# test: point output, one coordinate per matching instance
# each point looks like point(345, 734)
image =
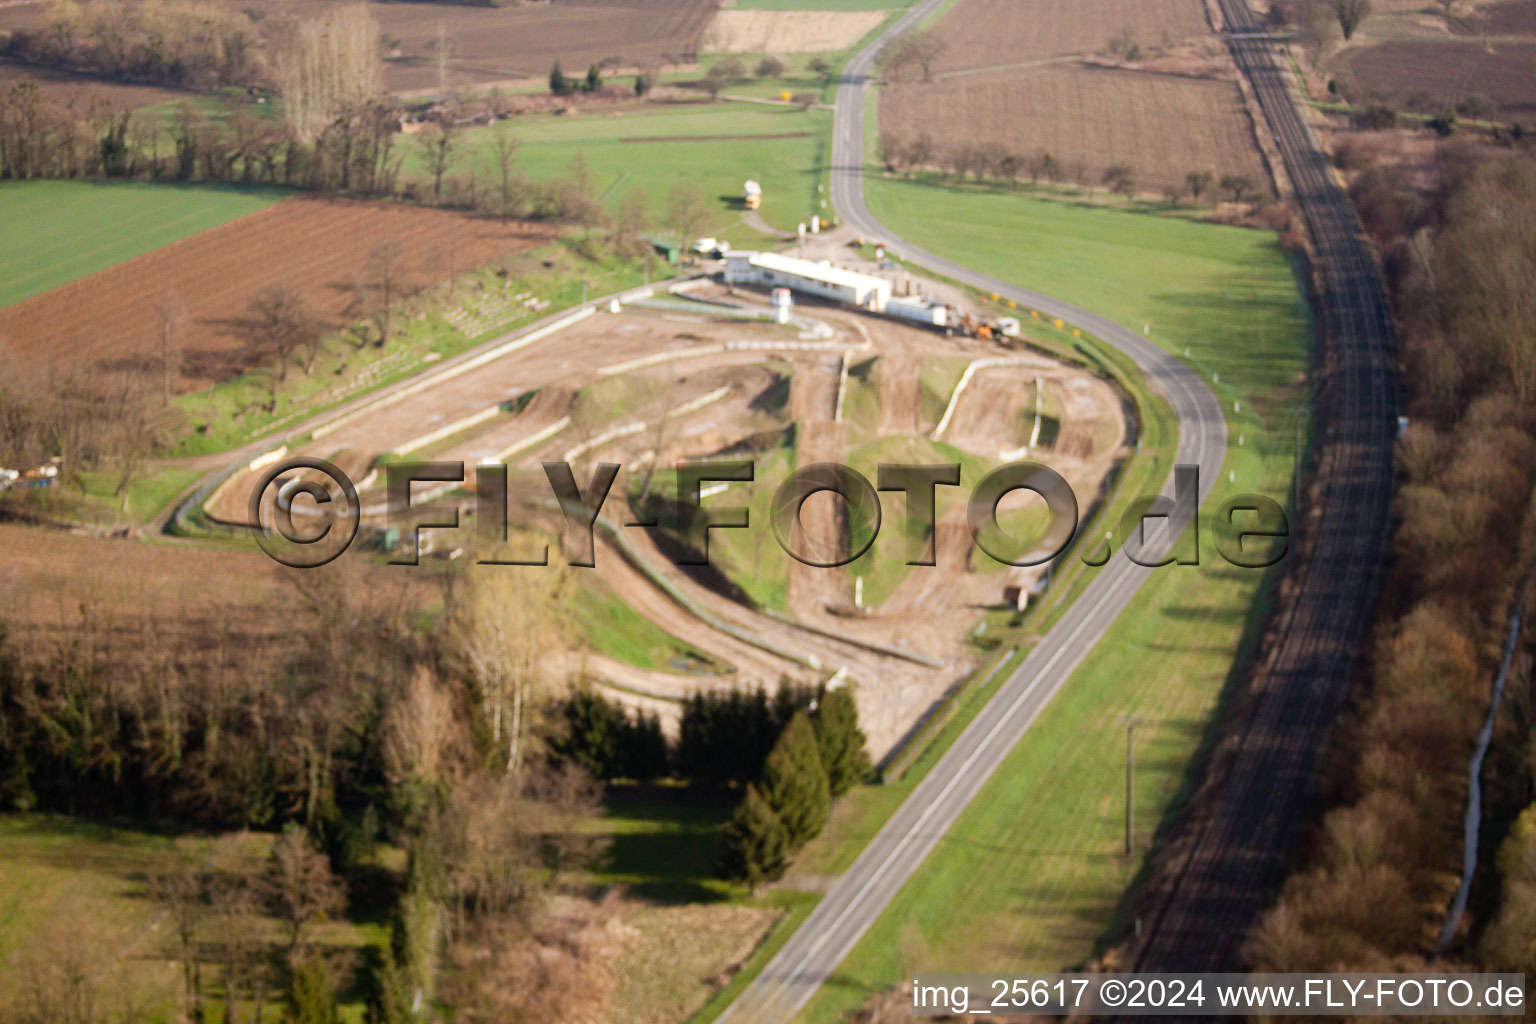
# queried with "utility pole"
point(1131, 722)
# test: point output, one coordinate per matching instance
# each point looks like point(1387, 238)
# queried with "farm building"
point(771, 270)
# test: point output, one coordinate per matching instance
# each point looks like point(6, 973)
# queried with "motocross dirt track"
point(902, 657)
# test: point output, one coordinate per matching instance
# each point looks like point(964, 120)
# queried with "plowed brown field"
point(520, 40)
point(67, 88)
point(487, 44)
point(1162, 126)
point(314, 246)
point(993, 33)
point(1504, 73)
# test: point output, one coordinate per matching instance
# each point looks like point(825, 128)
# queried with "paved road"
point(857, 899)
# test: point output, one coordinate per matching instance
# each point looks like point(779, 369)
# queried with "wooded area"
point(1462, 275)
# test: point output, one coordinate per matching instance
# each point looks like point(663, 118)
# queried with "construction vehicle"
point(752, 194)
point(974, 328)
point(1003, 330)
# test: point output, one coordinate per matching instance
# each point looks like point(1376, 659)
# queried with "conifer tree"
point(593, 728)
point(558, 83)
point(756, 847)
point(643, 749)
point(841, 741)
point(794, 782)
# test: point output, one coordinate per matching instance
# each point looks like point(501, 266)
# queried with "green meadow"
point(58, 231)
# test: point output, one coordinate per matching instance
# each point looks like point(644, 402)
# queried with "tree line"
point(818, 756)
point(193, 43)
point(792, 755)
point(983, 161)
point(1376, 887)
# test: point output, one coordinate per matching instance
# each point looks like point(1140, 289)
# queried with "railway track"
point(1235, 852)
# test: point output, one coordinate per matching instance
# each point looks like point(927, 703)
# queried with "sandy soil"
point(789, 31)
point(822, 525)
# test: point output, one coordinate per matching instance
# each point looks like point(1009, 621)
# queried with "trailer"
point(918, 309)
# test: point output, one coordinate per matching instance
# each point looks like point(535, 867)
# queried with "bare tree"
point(504, 146)
point(714, 81)
point(181, 891)
point(386, 275)
point(135, 425)
point(438, 144)
point(687, 211)
point(920, 151)
point(630, 220)
point(301, 885)
point(172, 313)
point(1197, 183)
point(769, 67)
point(920, 49)
point(507, 621)
point(1238, 186)
point(58, 971)
point(419, 733)
point(660, 393)
point(236, 920)
point(280, 320)
point(326, 65)
point(1121, 180)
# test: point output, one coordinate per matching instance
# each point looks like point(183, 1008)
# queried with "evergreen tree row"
point(606, 740)
point(724, 738)
point(818, 756)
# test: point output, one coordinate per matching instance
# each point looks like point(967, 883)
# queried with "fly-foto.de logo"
point(305, 512)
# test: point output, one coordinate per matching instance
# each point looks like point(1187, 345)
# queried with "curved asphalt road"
point(852, 905)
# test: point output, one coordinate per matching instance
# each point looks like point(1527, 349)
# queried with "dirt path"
point(901, 393)
point(821, 530)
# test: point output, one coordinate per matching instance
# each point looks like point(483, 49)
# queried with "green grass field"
point(100, 504)
point(58, 231)
point(76, 889)
point(1031, 876)
point(720, 146)
point(613, 628)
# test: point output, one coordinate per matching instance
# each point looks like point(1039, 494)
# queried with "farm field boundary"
point(61, 231)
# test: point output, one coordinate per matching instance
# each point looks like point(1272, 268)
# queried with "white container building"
point(771, 270)
point(918, 309)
